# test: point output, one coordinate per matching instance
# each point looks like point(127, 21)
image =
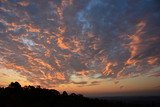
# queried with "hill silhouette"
point(29, 96)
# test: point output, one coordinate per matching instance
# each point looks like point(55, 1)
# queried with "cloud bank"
point(49, 41)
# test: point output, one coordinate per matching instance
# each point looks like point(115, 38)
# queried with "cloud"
point(157, 87)
point(121, 87)
point(23, 3)
point(116, 82)
point(134, 45)
point(94, 83)
point(50, 41)
point(81, 83)
point(155, 74)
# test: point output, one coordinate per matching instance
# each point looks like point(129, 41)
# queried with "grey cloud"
point(81, 83)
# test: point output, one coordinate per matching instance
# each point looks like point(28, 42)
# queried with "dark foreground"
point(29, 96)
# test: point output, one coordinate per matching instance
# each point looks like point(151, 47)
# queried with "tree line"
point(29, 96)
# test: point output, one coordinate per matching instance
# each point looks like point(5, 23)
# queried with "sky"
point(92, 47)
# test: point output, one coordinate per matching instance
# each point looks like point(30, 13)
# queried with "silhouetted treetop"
point(15, 85)
point(72, 94)
point(65, 93)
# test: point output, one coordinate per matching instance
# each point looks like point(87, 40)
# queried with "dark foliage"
point(29, 96)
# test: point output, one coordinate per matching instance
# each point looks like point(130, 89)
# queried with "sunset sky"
point(92, 47)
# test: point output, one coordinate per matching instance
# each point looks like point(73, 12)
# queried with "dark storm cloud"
point(49, 41)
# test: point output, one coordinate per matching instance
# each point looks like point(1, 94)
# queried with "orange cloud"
point(152, 60)
point(62, 28)
point(82, 73)
point(108, 68)
point(12, 26)
point(65, 3)
point(134, 46)
point(61, 44)
point(77, 44)
point(60, 76)
point(40, 62)
point(14, 66)
point(58, 62)
point(31, 28)
point(24, 3)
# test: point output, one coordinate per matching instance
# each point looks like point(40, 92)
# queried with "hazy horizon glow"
point(93, 47)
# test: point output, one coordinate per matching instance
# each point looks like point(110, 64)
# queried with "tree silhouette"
point(64, 93)
point(15, 85)
point(29, 96)
point(73, 94)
